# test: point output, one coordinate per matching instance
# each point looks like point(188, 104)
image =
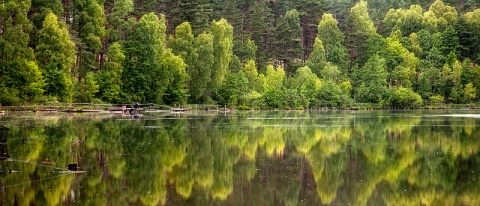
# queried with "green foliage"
point(259, 29)
point(222, 33)
point(469, 93)
point(20, 76)
point(288, 36)
point(176, 93)
point(274, 87)
point(56, 55)
point(90, 25)
point(407, 21)
point(123, 42)
point(373, 81)
point(234, 90)
point(361, 34)
point(86, 89)
point(332, 40)
point(405, 98)
point(200, 75)
point(330, 94)
point(109, 80)
point(251, 73)
point(144, 80)
point(317, 60)
point(436, 99)
point(119, 21)
point(183, 45)
point(306, 85)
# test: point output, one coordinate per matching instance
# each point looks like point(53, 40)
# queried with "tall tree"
point(310, 13)
point(109, 79)
point(183, 45)
point(197, 12)
point(40, 9)
point(359, 29)
point(89, 23)
point(317, 60)
point(176, 92)
point(55, 54)
point(260, 27)
point(200, 74)
point(373, 80)
point(119, 21)
point(20, 79)
point(450, 42)
point(289, 41)
point(468, 28)
point(222, 33)
point(144, 50)
point(333, 40)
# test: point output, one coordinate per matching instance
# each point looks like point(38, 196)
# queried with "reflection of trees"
point(273, 158)
point(30, 181)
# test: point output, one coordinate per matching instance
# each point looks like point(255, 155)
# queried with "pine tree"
point(119, 21)
point(89, 23)
point(360, 28)
point(289, 41)
point(260, 27)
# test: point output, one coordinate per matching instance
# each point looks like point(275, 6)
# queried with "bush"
point(405, 98)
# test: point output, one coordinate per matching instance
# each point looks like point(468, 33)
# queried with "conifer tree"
point(119, 21)
point(288, 41)
point(89, 23)
point(260, 28)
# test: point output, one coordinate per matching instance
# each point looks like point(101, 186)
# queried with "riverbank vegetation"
point(241, 53)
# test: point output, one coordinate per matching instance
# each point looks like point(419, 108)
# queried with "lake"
point(241, 158)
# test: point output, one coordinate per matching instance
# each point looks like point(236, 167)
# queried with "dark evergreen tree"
point(89, 24)
point(288, 42)
point(261, 30)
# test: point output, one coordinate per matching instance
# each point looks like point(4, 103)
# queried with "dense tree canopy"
point(178, 52)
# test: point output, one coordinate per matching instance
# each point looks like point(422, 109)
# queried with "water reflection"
point(261, 158)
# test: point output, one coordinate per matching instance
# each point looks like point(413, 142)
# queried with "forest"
point(261, 54)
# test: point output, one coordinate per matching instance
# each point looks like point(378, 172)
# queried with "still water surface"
point(242, 158)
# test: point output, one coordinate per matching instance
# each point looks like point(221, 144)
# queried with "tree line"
point(241, 53)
